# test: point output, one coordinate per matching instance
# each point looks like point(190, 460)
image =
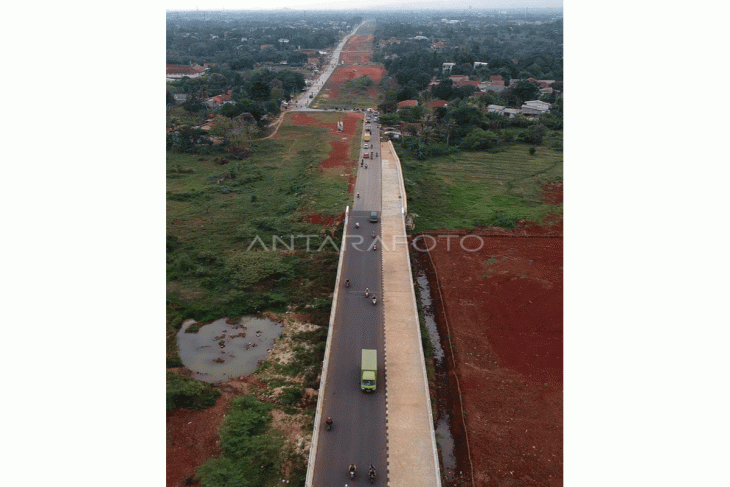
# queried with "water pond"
point(221, 350)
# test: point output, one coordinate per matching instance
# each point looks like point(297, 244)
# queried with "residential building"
point(436, 104)
point(535, 108)
point(177, 71)
point(219, 100)
point(407, 103)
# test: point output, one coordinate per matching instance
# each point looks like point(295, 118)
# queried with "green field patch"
point(219, 212)
point(480, 189)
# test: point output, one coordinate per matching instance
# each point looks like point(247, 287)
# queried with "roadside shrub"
point(173, 361)
point(245, 269)
point(478, 139)
point(440, 149)
point(247, 419)
point(183, 392)
point(503, 221)
point(291, 396)
point(534, 134)
point(183, 263)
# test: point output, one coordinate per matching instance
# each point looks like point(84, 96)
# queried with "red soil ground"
point(192, 436)
point(503, 308)
point(358, 49)
point(346, 73)
point(340, 148)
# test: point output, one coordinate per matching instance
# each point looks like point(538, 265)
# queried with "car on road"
point(366, 156)
point(373, 217)
point(365, 146)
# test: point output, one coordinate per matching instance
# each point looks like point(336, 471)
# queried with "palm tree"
point(450, 127)
point(428, 134)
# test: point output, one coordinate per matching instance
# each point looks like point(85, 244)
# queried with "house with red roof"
point(219, 100)
point(466, 82)
point(407, 103)
point(178, 71)
point(436, 104)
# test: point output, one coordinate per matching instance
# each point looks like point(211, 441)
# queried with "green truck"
point(369, 370)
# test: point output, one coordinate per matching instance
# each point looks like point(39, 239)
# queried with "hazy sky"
point(353, 5)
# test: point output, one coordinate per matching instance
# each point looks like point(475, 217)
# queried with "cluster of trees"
point(236, 37)
point(255, 95)
point(465, 126)
point(511, 49)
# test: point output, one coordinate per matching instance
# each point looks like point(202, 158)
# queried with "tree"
point(362, 82)
point(533, 134)
point(412, 114)
point(390, 103)
point(526, 90)
point(389, 118)
point(407, 93)
point(428, 134)
point(478, 139)
point(449, 128)
point(443, 90)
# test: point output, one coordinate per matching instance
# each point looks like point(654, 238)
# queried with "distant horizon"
point(340, 6)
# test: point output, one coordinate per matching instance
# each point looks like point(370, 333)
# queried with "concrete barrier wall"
point(396, 160)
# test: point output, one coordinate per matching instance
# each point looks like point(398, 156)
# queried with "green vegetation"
point(470, 189)
point(252, 456)
point(189, 393)
point(236, 238)
point(349, 96)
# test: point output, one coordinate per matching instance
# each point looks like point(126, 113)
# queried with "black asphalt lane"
point(358, 435)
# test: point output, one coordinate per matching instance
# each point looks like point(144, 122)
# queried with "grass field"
point(472, 189)
point(346, 99)
point(216, 212)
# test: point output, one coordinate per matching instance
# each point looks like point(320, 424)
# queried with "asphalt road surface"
point(358, 434)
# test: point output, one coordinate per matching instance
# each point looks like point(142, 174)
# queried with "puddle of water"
point(219, 351)
point(425, 292)
point(443, 431)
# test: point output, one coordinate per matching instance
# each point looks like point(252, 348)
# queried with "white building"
point(535, 108)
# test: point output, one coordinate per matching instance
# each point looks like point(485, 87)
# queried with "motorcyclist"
point(375, 246)
point(357, 224)
point(328, 422)
point(347, 283)
point(358, 195)
point(371, 471)
point(352, 469)
point(367, 292)
point(373, 234)
point(375, 300)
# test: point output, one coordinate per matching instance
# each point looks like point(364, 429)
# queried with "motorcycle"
point(347, 283)
point(375, 300)
point(352, 471)
point(373, 234)
point(367, 292)
point(358, 195)
point(371, 474)
point(375, 246)
point(328, 424)
point(357, 224)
